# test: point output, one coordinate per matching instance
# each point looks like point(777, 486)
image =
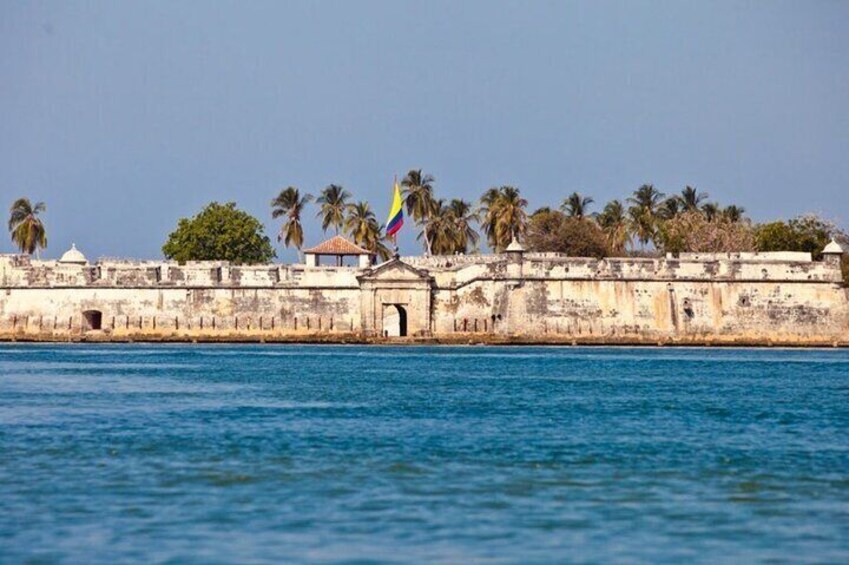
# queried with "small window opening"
point(93, 319)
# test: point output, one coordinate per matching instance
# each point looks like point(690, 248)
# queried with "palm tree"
point(359, 222)
point(576, 206)
point(380, 248)
point(290, 203)
point(439, 228)
point(733, 213)
point(333, 202)
point(463, 218)
point(643, 212)
point(418, 197)
point(507, 216)
point(26, 228)
point(614, 223)
point(487, 215)
point(710, 210)
point(691, 198)
point(670, 208)
point(362, 226)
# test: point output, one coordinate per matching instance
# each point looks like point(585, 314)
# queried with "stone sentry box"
point(395, 289)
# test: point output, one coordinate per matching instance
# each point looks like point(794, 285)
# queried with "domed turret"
point(515, 252)
point(832, 255)
point(833, 247)
point(515, 246)
point(73, 256)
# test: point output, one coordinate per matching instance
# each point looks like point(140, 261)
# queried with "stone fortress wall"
point(744, 298)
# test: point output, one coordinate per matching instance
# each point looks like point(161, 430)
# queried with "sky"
point(125, 116)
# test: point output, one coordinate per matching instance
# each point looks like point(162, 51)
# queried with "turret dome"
point(833, 247)
point(73, 256)
point(515, 246)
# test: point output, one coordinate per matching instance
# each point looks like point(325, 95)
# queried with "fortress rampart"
point(753, 299)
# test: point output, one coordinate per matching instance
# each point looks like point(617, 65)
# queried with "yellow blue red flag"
point(396, 213)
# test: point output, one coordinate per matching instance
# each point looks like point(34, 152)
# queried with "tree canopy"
point(692, 231)
point(220, 232)
point(805, 233)
point(554, 231)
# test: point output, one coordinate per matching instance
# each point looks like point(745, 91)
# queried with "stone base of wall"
point(447, 339)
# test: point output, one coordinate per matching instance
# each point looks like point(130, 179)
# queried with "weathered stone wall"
point(716, 299)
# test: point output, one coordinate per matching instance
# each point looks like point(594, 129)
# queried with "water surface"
point(320, 454)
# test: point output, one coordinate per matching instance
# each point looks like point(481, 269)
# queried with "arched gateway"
point(394, 320)
point(396, 300)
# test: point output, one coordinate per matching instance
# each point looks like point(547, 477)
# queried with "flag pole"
point(395, 235)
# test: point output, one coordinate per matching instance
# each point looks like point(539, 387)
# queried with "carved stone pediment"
point(395, 270)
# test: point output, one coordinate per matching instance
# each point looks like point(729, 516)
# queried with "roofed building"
point(339, 247)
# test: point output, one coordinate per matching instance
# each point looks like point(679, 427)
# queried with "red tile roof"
point(337, 245)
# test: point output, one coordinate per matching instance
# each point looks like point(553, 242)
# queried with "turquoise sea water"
point(319, 454)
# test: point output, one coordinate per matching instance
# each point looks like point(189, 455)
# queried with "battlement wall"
point(19, 271)
point(783, 298)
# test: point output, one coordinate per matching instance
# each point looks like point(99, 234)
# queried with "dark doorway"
point(394, 320)
point(402, 321)
point(93, 319)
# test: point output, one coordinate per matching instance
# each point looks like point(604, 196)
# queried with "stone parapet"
point(19, 271)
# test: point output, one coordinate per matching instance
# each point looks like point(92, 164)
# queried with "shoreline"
point(450, 340)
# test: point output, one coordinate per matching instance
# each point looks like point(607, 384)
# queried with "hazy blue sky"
point(124, 116)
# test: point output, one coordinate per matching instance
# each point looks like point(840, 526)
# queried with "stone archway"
point(397, 293)
point(394, 320)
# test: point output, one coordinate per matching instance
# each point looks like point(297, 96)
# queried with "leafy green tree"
point(576, 206)
point(220, 232)
point(333, 202)
point(559, 233)
point(807, 233)
point(776, 236)
point(26, 228)
point(418, 196)
point(291, 204)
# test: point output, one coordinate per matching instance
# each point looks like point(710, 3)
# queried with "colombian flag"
point(396, 213)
